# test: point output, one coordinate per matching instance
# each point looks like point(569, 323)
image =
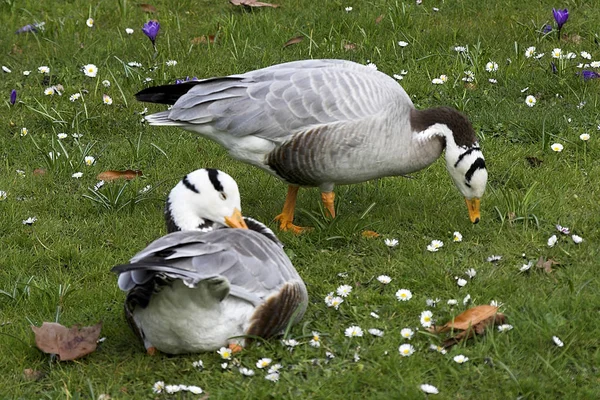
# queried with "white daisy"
point(429, 389)
point(316, 340)
point(194, 389)
point(585, 137)
point(492, 80)
point(491, 66)
point(586, 55)
point(329, 355)
point(426, 319)
point(437, 81)
point(89, 22)
point(129, 31)
point(530, 100)
point(374, 315)
point(471, 273)
point(26, 73)
point(443, 78)
point(402, 43)
point(274, 377)
point(452, 302)
point(344, 290)
point(437, 348)
point(263, 363)
point(398, 77)
point(172, 389)
point(557, 147)
point(75, 96)
point(461, 282)
point(20, 172)
point(457, 237)
point(494, 258)
point(49, 91)
point(466, 299)
point(375, 332)
point(353, 331)
point(403, 295)
point(552, 240)
point(274, 369)
point(595, 64)
point(407, 333)
point(158, 387)
point(384, 279)
point(6, 69)
point(44, 70)
point(29, 221)
point(61, 135)
point(556, 53)
point(526, 267)
point(224, 365)
point(406, 350)
point(290, 343)
point(225, 353)
point(24, 131)
point(460, 359)
point(435, 245)
point(504, 327)
point(348, 9)
point(557, 341)
point(77, 175)
point(171, 63)
point(89, 160)
point(469, 76)
point(577, 239)
point(106, 83)
point(3, 195)
point(106, 99)
point(90, 70)
point(391, 242)
point(495, 303)
point(432, 302)
point(460, 49)
point(134, 64)
point(538, 56)
point(198, 364)
point(246, 371)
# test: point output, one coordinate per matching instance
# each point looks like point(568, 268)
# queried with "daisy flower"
point(171, 63)
point(49, 91)
point(246, 371)
point(44, 70)
point(577, 239)
point(129, 31)
point(29, 221)
point(225, 353)
point(557, 341)
point(194, 389)
point(466, 299)
point(332, 301)
point(443, 78)
point(172, 389)
point(316, 340)
point(106, 83)
point(375, 332)
point(61, 136)
point(75, 97)
point(274, 377)
point(353, 331)
point(530, 52)
point(526, 267)
point(329, 355)
point(457, 237)
point(89, 160)
point(76, 135)
point(374, 315)
point(426, 319)
point(77, 175)
point(538, 56)
point(504, 327)
point(263, 363)
point(26, 73)
point(134, 64)
point(6, 69)
point(595, 64)
point(494, 258)
point(491, 66)
point(398, 77)
point(460, 359)
point(471, 273)
point(224, 365)
point(158, 387)
point(348, 9)
point(432, 302)
point(552, 241)
point(290, 343)
point(469, 76)
point(439, 349)
point(530, 100)
point(556, 53)
point(461, 282)
point(435, 245)
point(407, 333)
point(495, 303)
point(198, 364)
point(557, 147)
point(452, 302)
point(106, 99)
point(429, 389)
point(460, 49)
point(402, 43)
point(384, 279)
point(274, 369)
point(406, 350)
point(372, 65)
point(344, 290)
point(585, 137)
point(90, 22)
point(492, 80)
point(437, 81)
point(98, 185)
point(24, 132)
point(3, 195)
point(90, 70)
point(391, 242)
point(403, 295)
point(586, 55)
point(20, 172)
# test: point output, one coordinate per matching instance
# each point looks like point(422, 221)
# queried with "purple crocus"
point(547, 29)
point(151, 29)
point(31, 28)
point(13, 97)
point(184, 80)
point(587, 75)
point(560, 16)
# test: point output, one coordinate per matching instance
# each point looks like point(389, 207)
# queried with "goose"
point(203, 286)
point(324, 122)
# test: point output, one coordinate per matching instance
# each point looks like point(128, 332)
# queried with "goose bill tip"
point(236, 220)
point(473, 207)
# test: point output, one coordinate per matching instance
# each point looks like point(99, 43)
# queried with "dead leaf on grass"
point(112, 175)
point(379, 19)
point(33, 375)
point(68, 343)
point(252, 3)
point(203, 39)
point(468, 318)
point(148, 8)
point(546, 265)
point(349, 46)
point(370, 234)
point(477, 329)
point(39, 171)
point(294, 40)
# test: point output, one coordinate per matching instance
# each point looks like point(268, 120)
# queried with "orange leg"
point(151, 351)
point(286, 218)
point(235, 348)
point(327, 198)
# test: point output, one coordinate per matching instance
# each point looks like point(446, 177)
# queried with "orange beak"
point(473, 206)
point(236, 220)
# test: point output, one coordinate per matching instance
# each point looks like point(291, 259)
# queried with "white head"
point(204, 200)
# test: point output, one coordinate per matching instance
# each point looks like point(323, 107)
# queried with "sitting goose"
point(322, 123)
point(199, 287)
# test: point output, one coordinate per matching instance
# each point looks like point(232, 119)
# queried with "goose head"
point(464, 160)
point(204, 200)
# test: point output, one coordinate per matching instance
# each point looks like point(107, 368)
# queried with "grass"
point(59, 268)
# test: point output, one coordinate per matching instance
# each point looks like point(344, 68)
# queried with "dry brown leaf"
point(572, 38)
point(379, 19)
point(252, 3)
point(68, 343)
point(477, 329)
point(468, 318)
point(112, 175)
point(546, 265)
point(148, 8)
point(294, 40)
point(39, 171)
point(349, 46)
point(203, 39)
point(369, 234)
point(33, 375)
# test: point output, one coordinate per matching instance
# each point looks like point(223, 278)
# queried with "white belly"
point(188, 320)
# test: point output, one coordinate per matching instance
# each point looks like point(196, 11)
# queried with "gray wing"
point(254, 265)
point(276, 101)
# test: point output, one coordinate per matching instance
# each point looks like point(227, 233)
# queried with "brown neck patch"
point(461, 127)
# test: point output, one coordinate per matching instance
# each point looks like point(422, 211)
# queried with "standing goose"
point(322, 123)
point(200, 286)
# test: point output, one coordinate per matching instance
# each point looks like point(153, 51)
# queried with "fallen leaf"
point(468, 318)
point(33, 375)
point(572, 38)
point(534, 161)
point(148, 8)
point(113, 175)
point(470, 86)
point(293, 40)
point(68, 343)
point(203, 39)
point(16, 50)
point(39, 171)
point(379, 19)
point(252, 3)
point(477, 329)
point(546, 265)
point(349, 46)
point(369, 234)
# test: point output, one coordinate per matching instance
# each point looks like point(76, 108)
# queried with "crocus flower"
point(587, 75)
point(13, 97)
point(151, 29)
point(31, 28)
point(547, 29)
point(560, 16)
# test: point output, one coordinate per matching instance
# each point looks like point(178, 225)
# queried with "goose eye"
point(223, 196)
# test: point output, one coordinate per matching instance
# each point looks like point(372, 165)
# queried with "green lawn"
point(58, 269)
